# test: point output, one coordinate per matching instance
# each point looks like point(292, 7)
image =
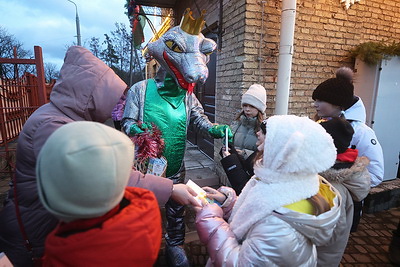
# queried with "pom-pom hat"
point(336, 91)
point(83, 169)
point(345, 73)
point(255, 96)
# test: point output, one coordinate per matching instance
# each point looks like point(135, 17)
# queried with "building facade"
point(248, 37)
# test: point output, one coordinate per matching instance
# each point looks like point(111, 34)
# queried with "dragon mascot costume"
point(168, 102)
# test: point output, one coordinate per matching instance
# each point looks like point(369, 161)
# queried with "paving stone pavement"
point(367, 247)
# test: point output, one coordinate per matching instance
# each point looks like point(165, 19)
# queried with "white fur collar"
point(260, 198)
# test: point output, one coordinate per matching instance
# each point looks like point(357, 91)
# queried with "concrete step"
point(203, 177)
point(383, 197)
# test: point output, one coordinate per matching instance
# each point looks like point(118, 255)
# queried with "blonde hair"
point(260, 118)
point(319, 204)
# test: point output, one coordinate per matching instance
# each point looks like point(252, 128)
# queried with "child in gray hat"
point(82, 171)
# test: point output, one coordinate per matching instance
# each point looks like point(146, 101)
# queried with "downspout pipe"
point(285, 56)
point(220, 17)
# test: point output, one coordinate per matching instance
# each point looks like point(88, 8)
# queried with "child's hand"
point(214, 194)
point(184, 195)
point(224, 153)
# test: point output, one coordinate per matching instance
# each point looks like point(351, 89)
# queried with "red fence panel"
point(19, 98)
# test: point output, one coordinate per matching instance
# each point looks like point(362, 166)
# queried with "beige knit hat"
point(83, 169)
point(256, 96)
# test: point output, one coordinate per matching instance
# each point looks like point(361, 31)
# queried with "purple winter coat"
point(87, 90)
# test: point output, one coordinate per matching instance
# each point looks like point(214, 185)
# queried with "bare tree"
point(122, 44)
point(7, 44)
point(94, 46)
point(51, 72)
point(109, 54)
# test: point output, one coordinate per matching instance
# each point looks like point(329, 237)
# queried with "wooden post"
point(40, 75)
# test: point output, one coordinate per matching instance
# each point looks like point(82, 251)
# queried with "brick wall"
point(325, 32)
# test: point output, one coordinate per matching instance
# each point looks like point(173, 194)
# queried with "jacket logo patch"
point(373, 141)
point(231, 167)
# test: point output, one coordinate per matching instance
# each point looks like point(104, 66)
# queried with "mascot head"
point(184, 52)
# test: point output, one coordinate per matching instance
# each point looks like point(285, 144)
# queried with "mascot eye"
point(173, 46)
point(208, 46)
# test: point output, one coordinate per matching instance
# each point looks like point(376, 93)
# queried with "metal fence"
point(19, 98)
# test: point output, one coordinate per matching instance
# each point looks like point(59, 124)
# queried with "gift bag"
point(149, 146)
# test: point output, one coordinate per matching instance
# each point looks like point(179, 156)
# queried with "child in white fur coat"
point(284, 211)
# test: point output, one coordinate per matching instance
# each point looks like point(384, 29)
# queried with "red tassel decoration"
point(149, 144)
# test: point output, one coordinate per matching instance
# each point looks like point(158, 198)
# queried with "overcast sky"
point(51, 23)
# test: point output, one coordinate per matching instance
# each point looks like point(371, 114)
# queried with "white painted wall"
point(379, 88)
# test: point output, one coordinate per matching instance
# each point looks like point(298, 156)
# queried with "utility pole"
point(78, 29)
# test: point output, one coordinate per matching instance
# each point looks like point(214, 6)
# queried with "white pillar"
point(285, 56)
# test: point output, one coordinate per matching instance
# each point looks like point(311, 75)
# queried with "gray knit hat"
point(256, 96)
point(83, 169)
